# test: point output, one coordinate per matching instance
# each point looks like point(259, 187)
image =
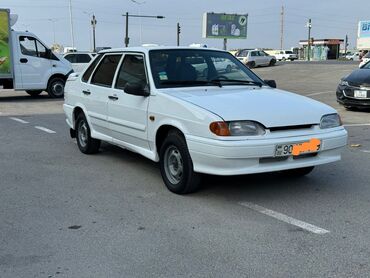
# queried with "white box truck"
point(27, 64)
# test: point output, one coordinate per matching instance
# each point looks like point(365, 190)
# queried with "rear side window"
point(70, 58)
point(83, 58)
point(104, 74)
point(91, 68)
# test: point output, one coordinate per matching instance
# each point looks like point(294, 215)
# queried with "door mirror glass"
point(136, 89)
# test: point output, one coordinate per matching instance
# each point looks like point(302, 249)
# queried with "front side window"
point(132, 71)
point(28, 46)
point(41, 50)
point(189, 68)
point(83, 58)
point(104, 74)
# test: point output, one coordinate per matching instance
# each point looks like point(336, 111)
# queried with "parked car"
point(354, 90)
point(353, 56)
point(365, 59)
point(255, 58)
point(154, 102)
point(284, 55)
point(79, 60)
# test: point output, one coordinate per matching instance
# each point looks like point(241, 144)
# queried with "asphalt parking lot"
point(65, 214)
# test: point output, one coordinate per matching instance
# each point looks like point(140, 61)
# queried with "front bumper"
point(345, 96)
point(226, 158)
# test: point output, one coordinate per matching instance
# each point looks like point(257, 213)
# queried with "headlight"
point(344, 83)
point(330, 121)
point(237, 128)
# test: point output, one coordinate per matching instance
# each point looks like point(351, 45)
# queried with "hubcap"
point(58, 88)
point(82, 133)
point(173, 165)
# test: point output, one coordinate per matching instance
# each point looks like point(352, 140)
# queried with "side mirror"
point(136, 89)
point(271, 83)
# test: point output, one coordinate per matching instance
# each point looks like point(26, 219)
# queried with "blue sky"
point(330, 19)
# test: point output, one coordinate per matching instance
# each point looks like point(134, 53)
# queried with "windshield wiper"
point(192, 82)
point(260, 84)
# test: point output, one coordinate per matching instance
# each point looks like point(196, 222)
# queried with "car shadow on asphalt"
point(29, 99)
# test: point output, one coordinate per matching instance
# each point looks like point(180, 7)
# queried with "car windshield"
point(196, 67)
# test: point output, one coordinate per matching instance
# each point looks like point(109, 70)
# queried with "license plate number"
point(360, 94)
point(295, 149)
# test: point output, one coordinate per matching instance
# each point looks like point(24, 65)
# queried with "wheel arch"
point(162, 132)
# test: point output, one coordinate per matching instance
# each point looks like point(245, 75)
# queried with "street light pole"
point(309, 25)
point(127, 39)
point(71, 22)
point(93, 24)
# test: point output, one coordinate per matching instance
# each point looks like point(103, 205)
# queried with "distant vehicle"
point(153, 102)
point(26, 63)
point(255, 58)
point(220, 64)
point(199, 45)
point(365, 59)
point(283, 55)
point(353, 56)
point(69, 49)
point(79, 60)
point(354, 90)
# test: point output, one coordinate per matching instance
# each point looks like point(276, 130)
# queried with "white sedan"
point(154, 102)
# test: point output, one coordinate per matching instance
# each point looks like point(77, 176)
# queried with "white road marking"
point(319, 93)
point(365, 151)
point(19, 120)
point(284, 218)
point(353, 125)
point(45, 129)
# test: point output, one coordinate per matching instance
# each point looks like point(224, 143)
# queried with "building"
point(322, 49)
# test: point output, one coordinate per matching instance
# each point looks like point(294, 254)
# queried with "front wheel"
point(56, 87)
point(85, 142)
point(176, 165)
point(299, 172)
point(34, 93)
point(272, 62)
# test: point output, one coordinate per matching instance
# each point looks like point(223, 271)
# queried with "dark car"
point(354, 90)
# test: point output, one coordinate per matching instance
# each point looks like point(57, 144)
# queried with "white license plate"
point(360, 94)
point(296, 149)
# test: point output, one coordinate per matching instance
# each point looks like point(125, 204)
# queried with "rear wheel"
point(56, 87)
point(85, 142)
point(299, 172)
point(272, 62)
point(176, 165)
point(34, 93)
point(251, 65)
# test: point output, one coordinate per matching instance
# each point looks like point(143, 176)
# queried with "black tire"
point(299, 172)
point(56, 87)
point(251, 65)
point(283, 59)
point(272, 62)
point(176, 165)
point(85, 142)
point(34, 93)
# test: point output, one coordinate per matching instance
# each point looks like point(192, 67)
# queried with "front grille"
point(291, 127)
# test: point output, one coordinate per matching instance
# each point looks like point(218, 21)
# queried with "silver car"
point(255, 58)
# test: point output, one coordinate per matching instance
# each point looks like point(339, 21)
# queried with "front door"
point(127, 114)
point(33, 62)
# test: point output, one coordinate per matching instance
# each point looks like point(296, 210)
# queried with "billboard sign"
point(5, 61)
point(225, 26)
point(364, 29)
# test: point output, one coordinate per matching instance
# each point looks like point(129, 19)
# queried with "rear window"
point(91, 68)
point(104, 74)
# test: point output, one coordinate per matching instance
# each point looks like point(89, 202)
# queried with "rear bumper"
point(68, 111)
point(257, 156)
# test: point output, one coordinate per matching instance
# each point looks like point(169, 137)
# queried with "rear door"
point(98, 91)
point(34, 65)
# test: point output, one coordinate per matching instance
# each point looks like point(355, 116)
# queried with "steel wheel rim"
point(82, 133)
point(173, 165)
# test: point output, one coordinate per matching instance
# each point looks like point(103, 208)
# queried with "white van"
point(28, 64)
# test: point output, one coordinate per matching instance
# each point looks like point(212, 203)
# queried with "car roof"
point(146, 49)
point(79, 52)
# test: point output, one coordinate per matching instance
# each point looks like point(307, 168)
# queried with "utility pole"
point(178, 34)
point(346, 45)
point(71, 22)
point(93, 24)
point(127, 39)
point(309, 26)
point(225, 43)
point(282, 28)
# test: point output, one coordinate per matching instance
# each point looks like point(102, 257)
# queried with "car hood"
point(270, 107)
point(359, 76)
